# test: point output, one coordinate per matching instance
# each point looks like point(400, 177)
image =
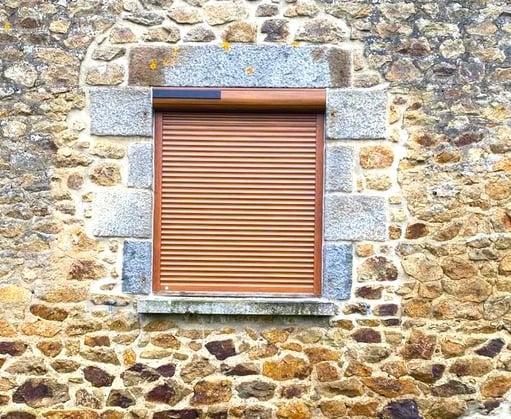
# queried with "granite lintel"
point(237, 306)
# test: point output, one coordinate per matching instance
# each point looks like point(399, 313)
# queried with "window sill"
point(237, 306)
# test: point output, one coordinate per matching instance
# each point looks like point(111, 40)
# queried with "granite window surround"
point(351, 114)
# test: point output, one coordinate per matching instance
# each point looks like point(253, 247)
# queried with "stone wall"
point(425, 330)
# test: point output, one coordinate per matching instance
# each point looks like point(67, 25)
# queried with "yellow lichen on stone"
point(226, 46)
point(250, 70)
point(153, 65)
point(7, 27)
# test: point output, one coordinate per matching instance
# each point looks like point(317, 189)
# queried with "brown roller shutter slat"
point(238, 203)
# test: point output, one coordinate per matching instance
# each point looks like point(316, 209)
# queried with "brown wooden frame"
point(245, 100)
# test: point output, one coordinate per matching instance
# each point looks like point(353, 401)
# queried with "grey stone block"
point(122, 213)
point(357, 113)
point(140, 173)
point(241, 66)
point(124, 111)
point(339, 168)
point(237, 306)
point(348, 217)
point(136, 267)
point(337, 271)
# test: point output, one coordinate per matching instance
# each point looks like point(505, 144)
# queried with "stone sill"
point(253, 306)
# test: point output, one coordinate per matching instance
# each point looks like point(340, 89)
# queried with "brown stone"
point(496, 386)
point(322, 30)
point(426, 372)
point(170, 34)
point(221, 349)
point(385, 310)
point(366, 335)
point(451, 388)
point(98, 377)
point(326, 372)
point(65, 366)
point(120, 398)
point(422, 267)
point(302, 8)
point(391, 387)
point(258, 389)
point(12, 348)
point(395, 368)
point(40, 328)
point(63, 293)
point(377, 268)
point(287, 368)
point(451, 308)
point(296, 409)
point(369, 292)
point(18, 415)
point(97, 341)
point(166, 340)
point(72, 414)
point(86, 399)
point(105, 75)
point(458, 268)
point(276, 30)
point(224, 11)
point(50, 348)
point(403, 70)
point(41, 392)
point(211, 392)
point(401, 409)
point(100, 354)
point(106, 174)
point(474, 367)
point(471, 289)
point(262, 351)
point(49, 313)
point(451, 348)
point(349, 387)
point(140, 373)
point(242, 32)
point(199, 367)
point(333, 408)
point(359, 369)
point(27, 365)
point(319, 354)
point(376, 157)
point(367, 409)
point(177, 414)
point(108, 150)
point(419, 345)
point(240, 369)
point(168, 393)
point(505, 265)
point(447, 409)
point(108, 53)
point(184, 14)
point(416, 231)
point(417, 307)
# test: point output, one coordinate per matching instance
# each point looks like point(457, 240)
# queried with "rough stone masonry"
point(422, 329)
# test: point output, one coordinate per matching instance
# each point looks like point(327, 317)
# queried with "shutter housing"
point(238, 202)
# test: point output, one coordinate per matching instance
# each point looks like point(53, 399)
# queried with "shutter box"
point(238, 191)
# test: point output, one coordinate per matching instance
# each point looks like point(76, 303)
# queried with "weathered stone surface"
point(458, 268)
point(475, 367)
point(496, 385)
point(296, 409)
point(276, 30)
point(260, 390)
point(426, 372)
point(168, 393)
point(106, 174)
point(240, 369)
point(140, 173)
point(242, 32)
point(422, 267)
point(120, 398)
point(122, 35)
point(337, 268)
point(367, 335)
point(452, 308)
point(177, 414)
point(182, 14)
point(98, 377)
point(333, 408)
point(83, 269)
point(49, 348)
point(317, 354)
point(41, 392)
point(124, 213)
point(326, 372)
point(145, 18)
point(108, 53)
point(391, 387)
point(224, 11)
point(267, 10)
point(199, 33)
point(356, 113)
point(492, 348)
point(469, 289)
point(369, 292)
point(169, 34)
point(211, 392)
point(166, 340)
point(65, 366)
point(370, 213)
point(322, 30)
point(302, 8)
point(221, 349)
point(105, 75)
point(339, 168)
point(211, 65)
point(377, 268)
point(195, 369)
point(100, 354)
point(139, 374)
point(136, 269)
point(350, 387)
point(287, 368)
point(376, 157)
point(451, 388)
point(419, 345)
point(401, 409)
point(121, 111)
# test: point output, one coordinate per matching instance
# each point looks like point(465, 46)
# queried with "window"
point(238, 191)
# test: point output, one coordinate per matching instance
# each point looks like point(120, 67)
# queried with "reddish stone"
point(377, 268)
point(97, 341)
point(120, 398)
point(401, 409)
point(49, 313)
point(416, 231)
point(287, 368)
point(385, 310)
point(221, 349)
point(367, 336)
point(368, 292)
point(492, 348)
point(211, 392)
point(391, 387)
point(12, 348)
point(239, 370)
point(177, 414)
point(167, 370)
point(97, 377)
point(451, 388)
point(419, 345)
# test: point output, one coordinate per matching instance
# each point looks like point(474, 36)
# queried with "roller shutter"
point(238, 203)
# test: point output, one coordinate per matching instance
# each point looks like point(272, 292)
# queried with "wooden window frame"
point(267, 100)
